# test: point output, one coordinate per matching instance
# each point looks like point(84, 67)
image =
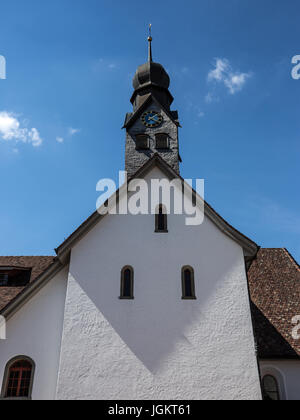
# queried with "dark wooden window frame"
point(127, 267)
point(139, 137)
point(166, 137)
point(184, 296)
point(7, 371)
point(161, 212)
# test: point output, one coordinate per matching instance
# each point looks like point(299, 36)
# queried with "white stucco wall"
point(35, 331)
point(287, 373)
point(157, 346)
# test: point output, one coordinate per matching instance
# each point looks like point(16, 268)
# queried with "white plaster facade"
point(35, 331)
point(86, 343)
point(157, 346)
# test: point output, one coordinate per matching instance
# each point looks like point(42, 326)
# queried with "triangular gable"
point(63, 251)
point(250, 248)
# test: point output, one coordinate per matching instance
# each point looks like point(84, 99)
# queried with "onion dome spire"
point(151, 78)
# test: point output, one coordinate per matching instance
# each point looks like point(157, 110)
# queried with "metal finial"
point(150, 45)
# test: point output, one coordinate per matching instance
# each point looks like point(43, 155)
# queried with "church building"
point(145, 306)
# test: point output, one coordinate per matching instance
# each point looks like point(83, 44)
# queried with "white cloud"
point(34, 135)
point(11, 130)
point(101, 64)
point(221, 68)
point(234, 81)
point(73, 131)
point(70, 132)
point(211, 97)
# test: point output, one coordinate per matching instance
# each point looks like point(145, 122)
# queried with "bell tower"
point(151, 127)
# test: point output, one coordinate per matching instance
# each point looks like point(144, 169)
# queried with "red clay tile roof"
point(37, 265)
point(274, 281)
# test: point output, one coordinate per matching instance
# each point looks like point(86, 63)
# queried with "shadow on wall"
point(158, 321)
point(270, 343)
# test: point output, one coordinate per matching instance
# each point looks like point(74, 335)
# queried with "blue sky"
point(70, 65)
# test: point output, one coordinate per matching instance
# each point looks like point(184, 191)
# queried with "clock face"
point(151, 119)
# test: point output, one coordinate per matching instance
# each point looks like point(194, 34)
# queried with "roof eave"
point(14, 305)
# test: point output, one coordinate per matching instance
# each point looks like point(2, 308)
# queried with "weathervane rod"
point(150, 45)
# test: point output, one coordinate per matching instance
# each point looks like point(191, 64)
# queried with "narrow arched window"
point(18, 378)
point(270, 388)
point(142, 141)
point(127, 283)
point(161, 221)
point(188, 283)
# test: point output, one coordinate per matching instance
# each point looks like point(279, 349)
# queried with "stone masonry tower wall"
point(151, 93)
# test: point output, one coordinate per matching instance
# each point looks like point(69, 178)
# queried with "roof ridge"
point(271, 248)
point(27, 256)
point(292, 258)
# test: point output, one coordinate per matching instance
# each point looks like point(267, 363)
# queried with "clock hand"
point(153, 118)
